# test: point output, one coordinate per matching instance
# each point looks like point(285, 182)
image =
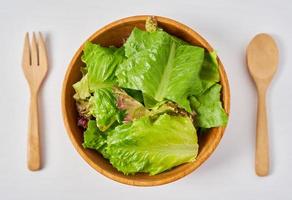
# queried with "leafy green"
point(94, 94)
point(141, 40)
point(82, 89)
point(104, 108)
point(160, 66)
point(101, 64)
point(152, 146)
point(94, 138)
point(207, 75)
point(208, 108)
point(209, 71)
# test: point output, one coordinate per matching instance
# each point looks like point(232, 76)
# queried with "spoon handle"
point(262, 140)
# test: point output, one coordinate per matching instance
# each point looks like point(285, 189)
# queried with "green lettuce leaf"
point(103, 105)
point(100, 69)
point(95, 139)
point(208, 108)
point(140, 40)
point(82, 89)
point(94, 89)
point(152, 146)
point(210, 71)
point(207, 76)
point(160, 66)
point(101, 64)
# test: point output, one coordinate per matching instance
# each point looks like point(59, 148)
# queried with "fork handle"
point(33, 146)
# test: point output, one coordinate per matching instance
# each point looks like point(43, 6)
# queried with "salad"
point(142, 105)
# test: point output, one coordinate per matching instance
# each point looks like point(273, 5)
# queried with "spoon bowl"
point(262, 57)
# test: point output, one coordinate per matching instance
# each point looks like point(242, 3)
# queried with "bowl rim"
point(225, 96)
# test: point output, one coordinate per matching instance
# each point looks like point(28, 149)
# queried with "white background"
point(227, 174)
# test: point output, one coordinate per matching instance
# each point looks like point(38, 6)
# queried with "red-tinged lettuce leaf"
point(133, 108)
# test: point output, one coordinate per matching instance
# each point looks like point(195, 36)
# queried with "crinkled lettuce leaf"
point(208, 108)
point(101, 63)
point(94, 96)
point(103, 105)
point(160, 66)
point(140, 40)
point(207, 75)
point(210, 70)
point(82, 89)
point(152, 146)
point(95, 139)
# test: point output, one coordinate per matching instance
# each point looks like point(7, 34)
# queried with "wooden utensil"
point(262, 62)
point(35, 67)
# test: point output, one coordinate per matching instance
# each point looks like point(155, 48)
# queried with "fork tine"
point(26, 52)
point(34, 51)
point(43, 60)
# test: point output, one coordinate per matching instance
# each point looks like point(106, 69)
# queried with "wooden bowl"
point(115, 34)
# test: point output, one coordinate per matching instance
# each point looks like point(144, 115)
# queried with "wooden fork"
point(35, 67)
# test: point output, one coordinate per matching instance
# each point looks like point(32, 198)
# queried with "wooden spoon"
point(262, 62)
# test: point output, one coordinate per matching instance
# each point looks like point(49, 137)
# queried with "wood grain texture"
point(115, 34)
point(262, 160)
point(262, 62)
point(33, 146)
point(35, 66)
